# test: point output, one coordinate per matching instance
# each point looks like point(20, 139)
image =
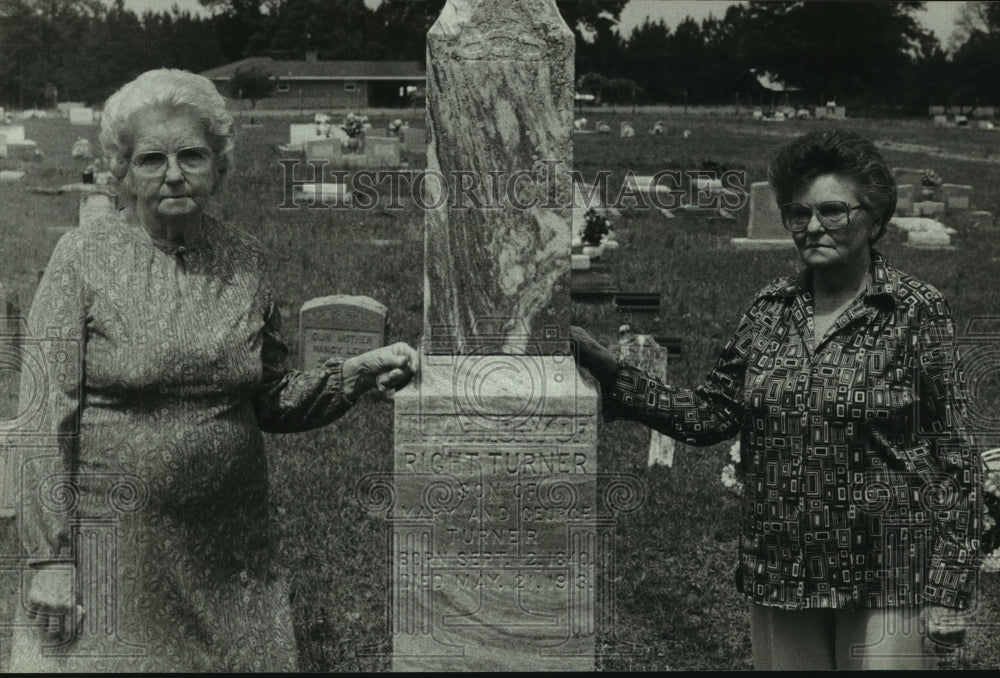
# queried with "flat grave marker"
point(764, 224)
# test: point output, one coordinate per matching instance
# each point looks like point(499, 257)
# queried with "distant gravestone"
point(81, 116)
point(10, 176)
point(94, 205)
point(831, 113)
point(646, 185)
point(908, 175)
point(415, 140)
point(925, 233)
point(383, 151)
point(764, 225)
point(11, 133)
point(905, 195)
point(957, 197)
point(322, 149)
point(940, 120)
point(299, 134)
point(330, 193)
point(929, 208)
point(22, 150)
point(339, 326)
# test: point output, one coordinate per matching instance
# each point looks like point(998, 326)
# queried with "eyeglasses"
point(191, 160)
point(833, 215)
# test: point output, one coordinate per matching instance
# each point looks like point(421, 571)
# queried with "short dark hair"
point(841, 152)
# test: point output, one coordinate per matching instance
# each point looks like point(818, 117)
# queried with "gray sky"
point(938, 16)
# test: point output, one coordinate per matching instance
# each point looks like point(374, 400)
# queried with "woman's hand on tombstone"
point(388, 369)
point(592, 356)
point(50, 601)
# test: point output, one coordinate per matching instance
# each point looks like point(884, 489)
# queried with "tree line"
point(863, 54)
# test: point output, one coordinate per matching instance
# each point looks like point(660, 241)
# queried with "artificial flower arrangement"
point(354, 125)
point(930, 179)
point(595, 228)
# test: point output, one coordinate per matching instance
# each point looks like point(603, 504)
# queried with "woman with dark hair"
point(863, 491)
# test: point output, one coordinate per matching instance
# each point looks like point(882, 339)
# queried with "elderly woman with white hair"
point(182, 367)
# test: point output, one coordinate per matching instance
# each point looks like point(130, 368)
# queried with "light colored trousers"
point(803, 640)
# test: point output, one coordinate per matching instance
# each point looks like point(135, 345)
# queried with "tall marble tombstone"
point(494, 507)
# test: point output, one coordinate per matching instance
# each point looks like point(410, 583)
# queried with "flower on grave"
point(395, 127)
point(930, 179)
point(595, 227)
point(734, 452)
point(354, 125)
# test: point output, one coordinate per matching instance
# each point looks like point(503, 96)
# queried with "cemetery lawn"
point(676, 605)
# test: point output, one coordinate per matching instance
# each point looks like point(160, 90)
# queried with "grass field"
point(677, 607)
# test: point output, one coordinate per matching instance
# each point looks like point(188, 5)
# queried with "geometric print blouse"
point(862, 485)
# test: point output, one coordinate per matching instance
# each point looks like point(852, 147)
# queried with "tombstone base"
point(494, 516)
point(762, 243)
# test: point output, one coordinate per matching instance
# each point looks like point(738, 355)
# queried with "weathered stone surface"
point(500, 99)
point(494, 517)
point(493, 501)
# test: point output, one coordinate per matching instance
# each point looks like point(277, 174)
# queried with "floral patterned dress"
point(146, 467)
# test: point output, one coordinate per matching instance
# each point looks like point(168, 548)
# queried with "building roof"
point(324, 70)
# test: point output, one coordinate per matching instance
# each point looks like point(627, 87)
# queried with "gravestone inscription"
point(339, 326)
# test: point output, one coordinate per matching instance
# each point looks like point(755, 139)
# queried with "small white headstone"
point(11, 133)
point(7, 176)
point(339, 326)
point(330, 193)
point(940, 120)
point(299, 134)
point(81, 116)
point(581, 262)
point(94, 206)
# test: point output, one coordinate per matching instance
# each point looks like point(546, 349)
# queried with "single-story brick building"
point(317, 84)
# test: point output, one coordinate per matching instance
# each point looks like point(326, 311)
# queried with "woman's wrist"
point(355, 382)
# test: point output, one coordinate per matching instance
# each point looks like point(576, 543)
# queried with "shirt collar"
point(883, 282)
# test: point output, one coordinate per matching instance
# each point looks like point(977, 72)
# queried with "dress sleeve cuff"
point(334, 368)
point(613, 393)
